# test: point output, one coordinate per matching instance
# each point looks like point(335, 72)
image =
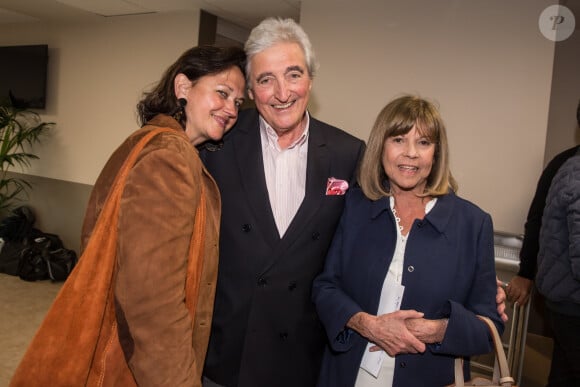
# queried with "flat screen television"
point(23, 73)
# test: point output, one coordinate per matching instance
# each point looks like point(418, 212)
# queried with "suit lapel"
point(248, 148)
point(317, 169)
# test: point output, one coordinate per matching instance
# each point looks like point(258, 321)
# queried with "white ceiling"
point(245, 13)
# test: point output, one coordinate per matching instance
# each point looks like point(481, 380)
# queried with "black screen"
point(23, 72)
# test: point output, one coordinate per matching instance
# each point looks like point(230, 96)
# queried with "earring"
point(178, 115)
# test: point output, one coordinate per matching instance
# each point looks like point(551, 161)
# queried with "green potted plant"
point(20, 128)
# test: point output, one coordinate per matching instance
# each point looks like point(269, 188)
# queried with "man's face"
point(280, 86)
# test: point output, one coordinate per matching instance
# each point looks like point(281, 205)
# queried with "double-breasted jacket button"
point(283, 335)
point(315, 236)
point(262, 282)
point(402, 364)
point(246, 227)
point(411, 268)
point(292, 285)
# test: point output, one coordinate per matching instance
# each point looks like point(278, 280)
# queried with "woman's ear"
point(181, 85)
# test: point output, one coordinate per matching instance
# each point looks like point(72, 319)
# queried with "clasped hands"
point(406, 331)
point(403, 331)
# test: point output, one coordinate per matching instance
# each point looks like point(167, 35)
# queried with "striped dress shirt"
point(285, 171)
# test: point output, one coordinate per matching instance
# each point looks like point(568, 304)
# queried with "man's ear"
point(250, 94)
point(181, 85)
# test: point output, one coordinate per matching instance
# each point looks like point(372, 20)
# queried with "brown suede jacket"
point(161, 344)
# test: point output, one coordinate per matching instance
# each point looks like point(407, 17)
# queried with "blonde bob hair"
point(398, 118)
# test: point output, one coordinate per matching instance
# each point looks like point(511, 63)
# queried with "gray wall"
point(59, 206)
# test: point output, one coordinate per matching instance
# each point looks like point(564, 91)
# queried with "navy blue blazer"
point(449, 271)
point(265, 331)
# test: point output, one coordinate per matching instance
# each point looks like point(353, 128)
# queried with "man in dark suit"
point(281, 174)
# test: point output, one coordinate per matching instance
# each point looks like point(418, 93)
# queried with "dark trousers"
point(565, 370)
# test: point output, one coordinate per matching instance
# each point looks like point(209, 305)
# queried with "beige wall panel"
point(97, 72)
point(485, 62)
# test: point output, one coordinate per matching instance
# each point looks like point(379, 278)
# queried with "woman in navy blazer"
point(405, 233)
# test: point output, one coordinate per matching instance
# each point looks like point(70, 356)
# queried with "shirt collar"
point(270, 135)
point(439, 215)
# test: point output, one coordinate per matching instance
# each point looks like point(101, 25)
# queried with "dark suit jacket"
point(265, 331)
point(448, 272)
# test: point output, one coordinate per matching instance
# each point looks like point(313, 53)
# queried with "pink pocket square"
point(336, 186)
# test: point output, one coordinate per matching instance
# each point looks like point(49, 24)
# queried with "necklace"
point(397, 219)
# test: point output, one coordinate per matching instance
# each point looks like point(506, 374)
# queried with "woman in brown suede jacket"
point(199, 95)
point(158, 311)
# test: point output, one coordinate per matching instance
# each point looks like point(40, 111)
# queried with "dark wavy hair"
point(193, 63)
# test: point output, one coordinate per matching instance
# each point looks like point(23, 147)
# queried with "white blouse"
point(394, 276)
